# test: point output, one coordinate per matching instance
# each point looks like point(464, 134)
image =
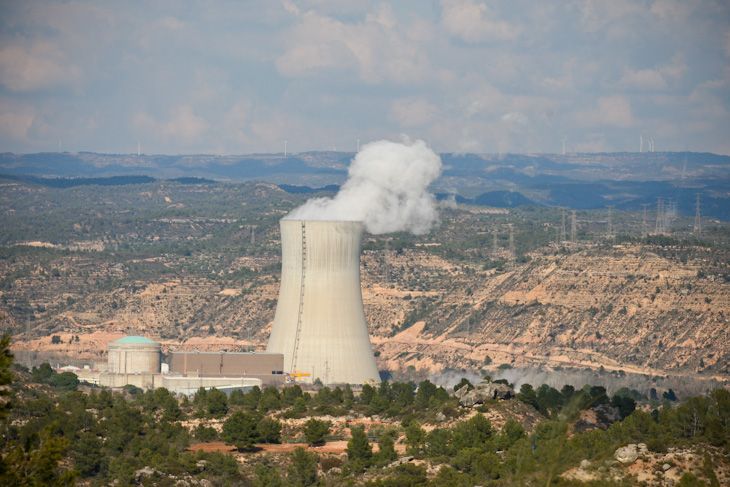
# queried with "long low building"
point(269, 367)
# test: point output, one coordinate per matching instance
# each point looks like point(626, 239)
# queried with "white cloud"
point(592, 143)
point(320, 73)
point(412, 112)
point(616, 20)
point(16, 119)
point(643, 79)
point(612, 110)
point(40, 65)
point(516, 118)
point(171, 23)
point(379, 48)
point(673, 9)
point(183, 127)
point(472, 21)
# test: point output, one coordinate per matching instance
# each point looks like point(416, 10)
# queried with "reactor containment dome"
point(134, 355)
point(319, 324)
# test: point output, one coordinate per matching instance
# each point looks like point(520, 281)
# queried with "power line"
point(698, 218)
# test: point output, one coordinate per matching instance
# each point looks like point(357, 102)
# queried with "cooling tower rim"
point(285, 219)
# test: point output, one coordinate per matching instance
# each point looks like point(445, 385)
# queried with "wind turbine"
point(564, 139)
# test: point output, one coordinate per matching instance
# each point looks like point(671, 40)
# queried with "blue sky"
point(235, 77)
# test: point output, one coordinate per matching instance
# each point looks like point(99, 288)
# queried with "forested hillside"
point(398, 434)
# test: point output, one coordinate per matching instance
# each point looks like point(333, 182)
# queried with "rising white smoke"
point(387, 189)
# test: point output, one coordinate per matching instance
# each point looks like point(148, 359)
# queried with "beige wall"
point(215, 364)
point(132, 358)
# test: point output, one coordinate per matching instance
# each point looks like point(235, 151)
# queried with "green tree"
point(367, 394)
point(475, 433)
point(266, 476)
point(88, 454)
point(37, 465)
point(6, 377)
point(415, 436)
point(386, 450)
point(315, 431)
point(65, 381)
point(303, 469)
point(240, 430)
point(216, 403)
point(290, 394)
point(512, 431)
point(358, 449)
point(528, 395)
point(270, 399)
point(688, 479)
point(252, 398)
point(43, 373)
point(269, 430)
point(205, 433)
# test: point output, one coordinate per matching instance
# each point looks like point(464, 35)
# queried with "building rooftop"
point(134, 339)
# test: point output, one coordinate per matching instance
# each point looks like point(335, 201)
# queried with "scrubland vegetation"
point(54, 434)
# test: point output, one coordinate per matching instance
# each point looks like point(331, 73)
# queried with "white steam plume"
point(387, 189)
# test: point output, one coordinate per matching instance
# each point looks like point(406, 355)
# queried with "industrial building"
point(136, 360)
point(319, 324)
point(134, 355)
point(269, 367)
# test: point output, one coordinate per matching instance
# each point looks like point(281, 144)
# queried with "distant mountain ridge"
point(579, 181)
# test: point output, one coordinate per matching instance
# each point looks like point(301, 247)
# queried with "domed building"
point(134, 355)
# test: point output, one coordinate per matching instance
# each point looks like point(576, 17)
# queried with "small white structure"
point(134, 355)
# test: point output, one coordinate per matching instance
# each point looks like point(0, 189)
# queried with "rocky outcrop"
point(628, 454)
point(483, 391)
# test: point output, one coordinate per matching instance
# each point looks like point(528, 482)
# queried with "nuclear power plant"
point(319, 324)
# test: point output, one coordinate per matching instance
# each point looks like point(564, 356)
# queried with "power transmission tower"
point(659, 217)
point(573, 225)
point(253, 234)
point(644, 227)
point(511, 242)
point(668, 213)
point(562, 228)
point(495, 244)
point(698, 218)
point(386, 269)
point(610, 223)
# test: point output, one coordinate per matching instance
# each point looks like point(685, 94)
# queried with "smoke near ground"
point(387, 189)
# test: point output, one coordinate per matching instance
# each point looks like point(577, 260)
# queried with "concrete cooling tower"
point(319, 324)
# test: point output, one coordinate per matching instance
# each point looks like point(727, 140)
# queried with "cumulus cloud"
point(672, 9)
point(515, 118)
point(612, 110)
point(16, 119)
point(183, 127)
point(379, 48)
point(456, 71)
point(472, 21)
point(35, 66)
point(643, 79)
point(412, 112)
point(386, 189)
